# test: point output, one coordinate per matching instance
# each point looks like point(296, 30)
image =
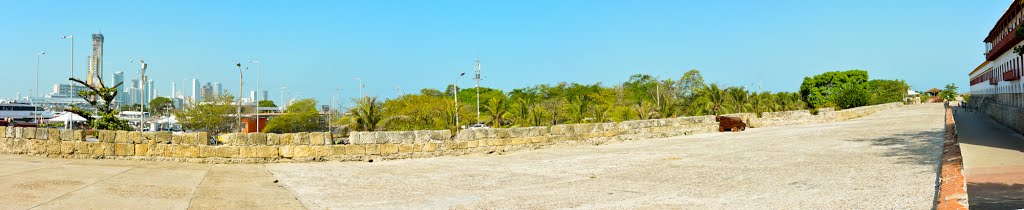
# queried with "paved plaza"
point(886, 160)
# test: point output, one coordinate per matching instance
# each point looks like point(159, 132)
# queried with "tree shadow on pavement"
point(924, 148)
point(989, 195)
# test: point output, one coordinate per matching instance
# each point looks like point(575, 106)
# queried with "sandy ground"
point(888, 160)
point(993, 161)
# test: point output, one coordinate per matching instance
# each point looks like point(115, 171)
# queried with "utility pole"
point(476, 67)
point(239, 112)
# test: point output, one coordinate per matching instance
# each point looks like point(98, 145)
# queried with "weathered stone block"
point(218, 151)
point(160, 150)
point(407, 148)
point(109, 137)
point(301, 138)
point(338, 150)
point(186, 151)
point(3, 131)
point(303, 151)
point(355, 149)
point(54, 134)
point(121, 137)
point(135, 137)
point(429, 147)
point(28, 133)
point(148, 138)
point(473, 144)
point(52, 147)
point(273, 139)
point(202, 138)
point(124, 149)
point(373, 149)
point(286, 151)
point(67, 135)
point(103, 149)
point(257, 139)
point(316, 138)
point(388, 149)
point(141, 149)
point(42, 133)
point(259, 152)
point(66, 147)
point(287, 139)
point(84, 148)
point(19, 132)
point(162, 137)
point(320, 151)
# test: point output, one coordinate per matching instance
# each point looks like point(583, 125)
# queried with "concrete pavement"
point(47, 183)
point(993, 161)
point(888, 160)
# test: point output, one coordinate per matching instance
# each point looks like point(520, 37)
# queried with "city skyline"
point(426, 44)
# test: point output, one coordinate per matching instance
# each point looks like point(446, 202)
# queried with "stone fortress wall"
point(363, 146)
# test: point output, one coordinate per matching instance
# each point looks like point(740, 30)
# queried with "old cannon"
point(734, 124)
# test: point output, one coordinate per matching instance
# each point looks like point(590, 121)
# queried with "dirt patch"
point(45, 184)
point(149, 191)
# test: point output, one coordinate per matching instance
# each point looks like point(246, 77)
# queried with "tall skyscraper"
point(151, 89)
point(96, 60)
point(118, 77)
point(264, 96)
point(195, 91)
point(207, 90)
point(174, 87)
point(218, 89)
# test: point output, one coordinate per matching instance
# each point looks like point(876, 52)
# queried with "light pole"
point(142, 93)
point(257, 98)
point(71, 83)
point(36, 91)
point(456, 96)
point(361, 96)
point(38, 58)
point(239, 111)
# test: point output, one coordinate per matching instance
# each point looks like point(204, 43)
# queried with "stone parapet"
point(362, 146)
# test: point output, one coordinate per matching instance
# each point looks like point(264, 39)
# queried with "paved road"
point(993, 161)
point(887, 160)
point(47, 183)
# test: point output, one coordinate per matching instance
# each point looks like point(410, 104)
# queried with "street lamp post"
point(38, 58)
point(257, 98)
point(361, 96)
point(239, 111)
point(456, 96)
point(36, 91)
point(71, 83)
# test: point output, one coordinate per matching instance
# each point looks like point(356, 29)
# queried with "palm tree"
point(497, 108)
point(739, 97)
point(714, 97)
point(368, 115)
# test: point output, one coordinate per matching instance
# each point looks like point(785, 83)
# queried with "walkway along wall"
point(362, 146)
point(999, 108)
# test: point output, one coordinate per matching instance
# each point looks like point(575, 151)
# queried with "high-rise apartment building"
point(96, 60)
point(118, 77)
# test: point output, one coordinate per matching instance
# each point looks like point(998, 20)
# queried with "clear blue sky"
point(314, 47)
